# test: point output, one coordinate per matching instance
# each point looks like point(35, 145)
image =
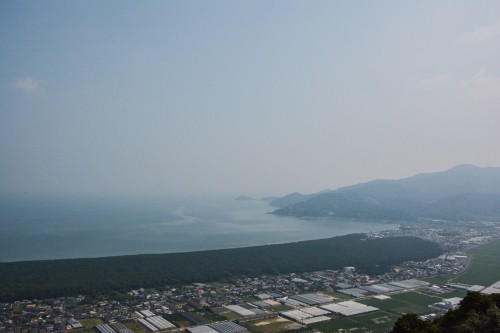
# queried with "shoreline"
point(176, 237)
point(47, 278)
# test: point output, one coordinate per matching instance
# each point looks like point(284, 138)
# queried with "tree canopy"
point(476, 313)
point(53, 278)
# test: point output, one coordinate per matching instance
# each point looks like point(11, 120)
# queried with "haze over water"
point(56, 228)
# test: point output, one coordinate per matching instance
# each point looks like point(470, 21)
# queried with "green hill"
point(476, 313)
point(463, 192)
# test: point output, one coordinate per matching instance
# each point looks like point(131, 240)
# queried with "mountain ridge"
point(433, 195)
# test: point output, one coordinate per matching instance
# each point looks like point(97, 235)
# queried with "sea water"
point(36, 228)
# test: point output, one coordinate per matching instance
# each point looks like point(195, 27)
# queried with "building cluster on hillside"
point(304, 298)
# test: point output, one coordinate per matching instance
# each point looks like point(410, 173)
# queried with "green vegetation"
point(416, 298)
point(465, 192)
point(393, 305)
point(437, 280)
point(467, 206)
point(178, 320)
point(338, 295)
point(210, 316)
point(379, 320)
point(231, 316)
point(291, 199)
point(457, 293)
point(91, 322)
point(476, 313)
point(135, 327)
point(279, 308)
point(485, 267)
point(89, 325)
point(342, 205)
point(250, 299)
point(17, 308)
point(335, 325)
point(53, 278)
point(403, 303)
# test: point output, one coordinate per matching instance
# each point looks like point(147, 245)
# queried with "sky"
point(248, 97)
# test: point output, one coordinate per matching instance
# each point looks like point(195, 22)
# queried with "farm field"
point(338, 295)
point(485, 267)
point(410, 302)
point(416, 298)
point(437, 280)
point(379, 321)
point(270, 325)
point(178, 320)
point(88, 325)
point(135, 327)
point(231, 316)
point(456, 293)
point(279, 308)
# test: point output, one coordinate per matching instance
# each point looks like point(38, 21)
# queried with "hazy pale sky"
point(249, 97)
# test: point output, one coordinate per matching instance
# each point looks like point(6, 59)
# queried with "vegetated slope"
point(291, 199)
point(53, 278)
point(466, 206)
point(476, 313)
point(463, 192)
point(343, 205)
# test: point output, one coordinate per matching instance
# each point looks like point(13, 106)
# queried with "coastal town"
point(291, 302)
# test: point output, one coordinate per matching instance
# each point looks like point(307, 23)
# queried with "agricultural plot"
point(410, 302)
point(391, 305)
point(91, 322)
point(89, 325)
point(250, 299)
point(178, 320)
point(485, 267)
point(416, 298)
point(335, 325)
point(339, 295)
point(456, 293)
point(272, 325)
point(210, 316)
point(379, 321)
point(136, 327)
point(437, 280)
point(231, 316)
point(279, 308)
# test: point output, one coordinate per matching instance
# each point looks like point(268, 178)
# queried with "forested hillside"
point(465, 192)
point(476, 313)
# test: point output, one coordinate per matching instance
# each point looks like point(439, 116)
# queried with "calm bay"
point(38, 228)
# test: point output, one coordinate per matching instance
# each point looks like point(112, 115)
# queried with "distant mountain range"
point(465, 192)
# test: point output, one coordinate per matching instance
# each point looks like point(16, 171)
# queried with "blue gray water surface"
point(34, 228)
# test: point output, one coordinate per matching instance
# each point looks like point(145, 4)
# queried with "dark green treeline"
point(54, 278)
